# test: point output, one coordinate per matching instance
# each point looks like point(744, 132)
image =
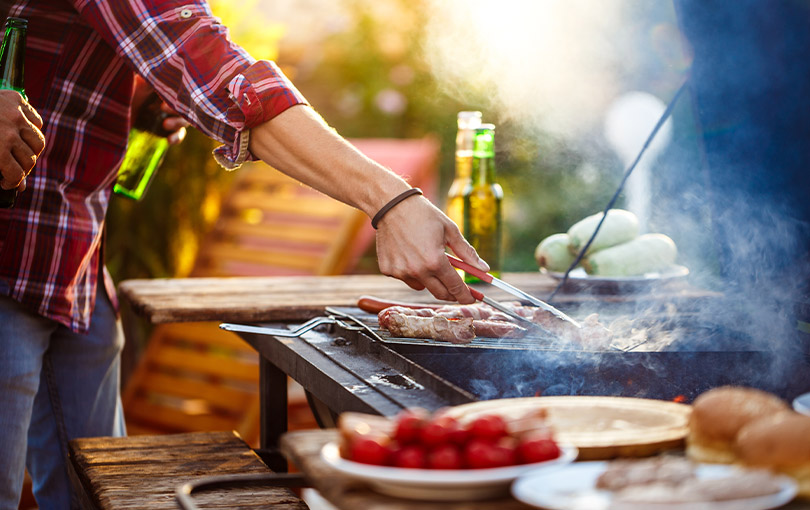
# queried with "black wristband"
point(394, 201)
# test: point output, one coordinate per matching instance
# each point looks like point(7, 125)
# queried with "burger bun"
point(719, 414)
point(780, 443)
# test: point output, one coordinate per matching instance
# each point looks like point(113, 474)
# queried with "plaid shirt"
point(80, 58)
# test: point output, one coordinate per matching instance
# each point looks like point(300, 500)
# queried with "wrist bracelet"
point(394, 201)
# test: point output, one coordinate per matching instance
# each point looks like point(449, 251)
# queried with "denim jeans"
point(55, 385)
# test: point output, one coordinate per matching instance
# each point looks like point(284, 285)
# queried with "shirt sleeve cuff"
point(259, 93)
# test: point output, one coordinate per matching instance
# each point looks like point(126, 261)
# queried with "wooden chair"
point(193, 376)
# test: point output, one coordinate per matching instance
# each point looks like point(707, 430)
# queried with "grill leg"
point(273, 391)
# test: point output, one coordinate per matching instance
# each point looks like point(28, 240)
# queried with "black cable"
point(612, 202)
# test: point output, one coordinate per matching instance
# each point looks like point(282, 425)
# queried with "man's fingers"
point(12, 173)
point(34, 138)
point(177, 137)
point(25, 158)
point(31, 114)
point(466, 252)
point(437, 288)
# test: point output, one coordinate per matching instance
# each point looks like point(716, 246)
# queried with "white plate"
point(802, 404)
point(579, 277)
point(440, 484)
point(572, 487)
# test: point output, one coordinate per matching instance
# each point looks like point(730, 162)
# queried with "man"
point(749, 85)
point(59, 344)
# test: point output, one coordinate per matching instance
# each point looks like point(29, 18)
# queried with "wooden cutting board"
point(601, 427)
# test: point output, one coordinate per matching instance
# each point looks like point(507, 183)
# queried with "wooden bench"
point(144, 471)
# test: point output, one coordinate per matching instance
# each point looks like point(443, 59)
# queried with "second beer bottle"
point(482, 202)
point(12, 59)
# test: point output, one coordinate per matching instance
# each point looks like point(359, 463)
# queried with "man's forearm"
point(300, 144)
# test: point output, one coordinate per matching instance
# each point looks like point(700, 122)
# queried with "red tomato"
point(409, 426)
point(410, 456)
point(459, 435)
point(370, 451)
point(490, 427)
point(482, 454)
point(446, 456)
point(438, 431)
point(537, 449)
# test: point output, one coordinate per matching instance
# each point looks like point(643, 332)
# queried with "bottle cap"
point(16, 22)
point(469, 120)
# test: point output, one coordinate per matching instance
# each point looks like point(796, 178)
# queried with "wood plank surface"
point(143, 472)
point(257, 299)
point(303, 449)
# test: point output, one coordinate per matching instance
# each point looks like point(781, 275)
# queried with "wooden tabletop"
point(249, 299)
point(136, 472)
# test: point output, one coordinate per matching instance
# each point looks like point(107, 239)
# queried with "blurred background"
point(573, 86)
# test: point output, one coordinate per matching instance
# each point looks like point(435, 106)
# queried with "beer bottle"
point(12, 58)
point(467, 122)
point(482, 202)
point(146, 148)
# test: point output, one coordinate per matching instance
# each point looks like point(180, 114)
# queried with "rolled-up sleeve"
point(185, 53)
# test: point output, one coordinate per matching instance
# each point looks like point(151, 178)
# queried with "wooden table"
point(119, 473)
point(291, 298)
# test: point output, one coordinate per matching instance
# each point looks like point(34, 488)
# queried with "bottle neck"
point(483, 167)
point(12, 58)
point(483, 170)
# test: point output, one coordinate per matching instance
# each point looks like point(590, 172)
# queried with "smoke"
point(552, 64)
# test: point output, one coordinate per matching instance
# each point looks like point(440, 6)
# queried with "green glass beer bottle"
point(12, 59)
point(146, 147)
point(467, 122)
point(482, 202)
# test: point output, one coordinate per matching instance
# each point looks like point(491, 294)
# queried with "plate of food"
point(657, 483)
point(440, 484)
point(618, 258)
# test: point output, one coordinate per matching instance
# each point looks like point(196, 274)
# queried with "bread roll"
point(781, 443)
point(719, 414)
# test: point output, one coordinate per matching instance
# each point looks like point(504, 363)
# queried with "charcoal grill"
point(350, 364)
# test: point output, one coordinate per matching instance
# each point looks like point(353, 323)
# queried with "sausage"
point(373, 304)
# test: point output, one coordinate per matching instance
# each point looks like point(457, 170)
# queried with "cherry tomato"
point(438, 431)
point(537, 449)
point(370, 450)
point(482, 454)
point(410, 456)
point(446, 456)
point(409, 427)
point(490, 427)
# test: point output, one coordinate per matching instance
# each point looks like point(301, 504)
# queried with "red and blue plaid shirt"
point(80, 59)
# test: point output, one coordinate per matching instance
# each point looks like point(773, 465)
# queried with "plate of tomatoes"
point(425, 457)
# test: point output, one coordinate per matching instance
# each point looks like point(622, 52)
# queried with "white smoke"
point(554, 64)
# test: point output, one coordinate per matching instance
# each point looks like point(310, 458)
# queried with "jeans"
point(55, 385)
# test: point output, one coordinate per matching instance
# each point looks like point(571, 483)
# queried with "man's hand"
point(411, 239)
point(20, 138)
point(147, 106)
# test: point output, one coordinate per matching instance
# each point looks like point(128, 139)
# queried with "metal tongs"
point(344, 320)
point(497, 282)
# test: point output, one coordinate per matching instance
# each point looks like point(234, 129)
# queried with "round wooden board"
point(601, 427)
